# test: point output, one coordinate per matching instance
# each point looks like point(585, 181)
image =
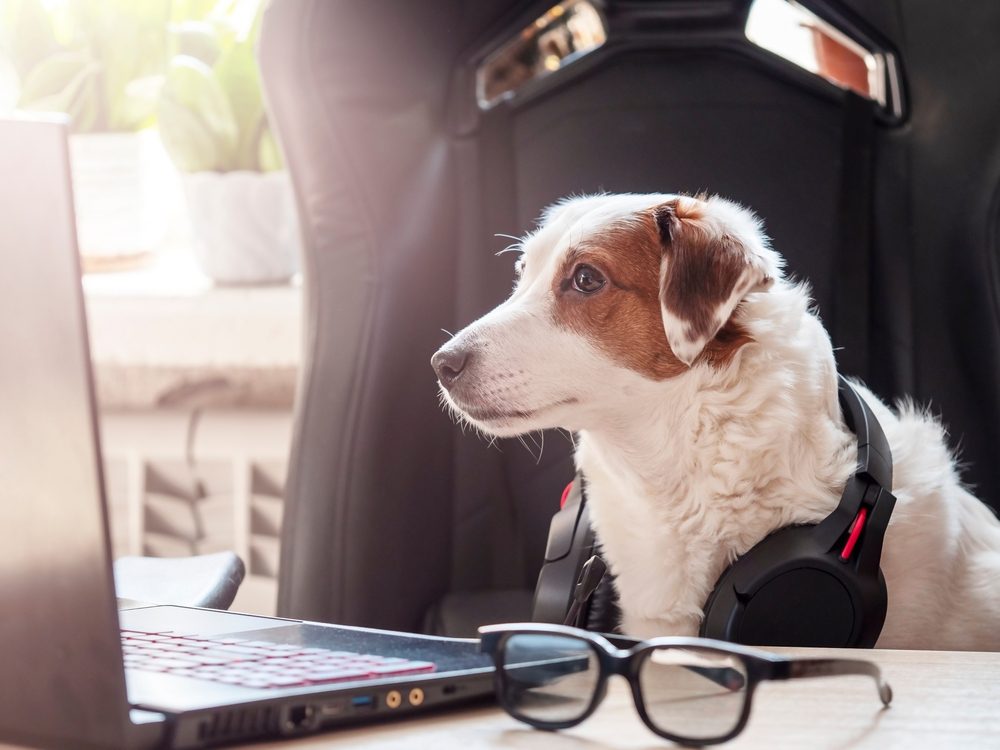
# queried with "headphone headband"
point(874, 454)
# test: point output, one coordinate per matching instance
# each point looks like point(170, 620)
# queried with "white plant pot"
point(244, 225)
point(118, 188)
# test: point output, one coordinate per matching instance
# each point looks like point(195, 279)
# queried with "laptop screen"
point(62, 673)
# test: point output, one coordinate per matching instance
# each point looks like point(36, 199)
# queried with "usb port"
point(360, 702)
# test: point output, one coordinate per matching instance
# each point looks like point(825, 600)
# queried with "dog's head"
point(613, 291)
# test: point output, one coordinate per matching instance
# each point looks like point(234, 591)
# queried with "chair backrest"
point(402, 182)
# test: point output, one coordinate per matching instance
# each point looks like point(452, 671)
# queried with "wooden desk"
point(943, 701)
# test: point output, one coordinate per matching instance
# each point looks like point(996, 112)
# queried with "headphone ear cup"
point(803, 606)
point(789, 591)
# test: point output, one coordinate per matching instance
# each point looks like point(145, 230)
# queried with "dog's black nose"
point(449, 363)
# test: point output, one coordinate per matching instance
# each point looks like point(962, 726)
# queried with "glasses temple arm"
point(804, 668)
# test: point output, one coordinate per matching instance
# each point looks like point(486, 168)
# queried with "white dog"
point(704, 393)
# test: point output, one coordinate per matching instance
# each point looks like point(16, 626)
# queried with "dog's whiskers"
point(568, 435)
point(534, 444)
point(521, 440)
point(464, 421)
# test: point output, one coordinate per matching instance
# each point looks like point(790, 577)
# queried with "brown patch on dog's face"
point(623, 318)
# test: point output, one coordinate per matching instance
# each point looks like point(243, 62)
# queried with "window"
point(795, 33)
point(562, 35)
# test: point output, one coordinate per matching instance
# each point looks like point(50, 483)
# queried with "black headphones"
point(812, 585)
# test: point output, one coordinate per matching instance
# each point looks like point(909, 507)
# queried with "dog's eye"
point(587, 279)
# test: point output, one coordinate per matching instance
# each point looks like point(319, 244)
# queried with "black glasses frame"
point(625, 657)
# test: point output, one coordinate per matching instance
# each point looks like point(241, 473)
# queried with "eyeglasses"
point(693, 691)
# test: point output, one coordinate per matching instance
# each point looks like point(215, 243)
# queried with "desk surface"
point(943, 700)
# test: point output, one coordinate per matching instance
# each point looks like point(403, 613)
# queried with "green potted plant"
point(100, 62)
point(213, 123)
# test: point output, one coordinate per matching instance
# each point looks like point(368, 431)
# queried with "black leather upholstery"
point(358, 99)
point(402, 184)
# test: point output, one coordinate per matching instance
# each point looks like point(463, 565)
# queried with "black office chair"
point(393, 517)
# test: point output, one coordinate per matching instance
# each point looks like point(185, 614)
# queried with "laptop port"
point(335, 707)
point(362, 702)
point(393, 699)
point(298, 719)
point(416, 697)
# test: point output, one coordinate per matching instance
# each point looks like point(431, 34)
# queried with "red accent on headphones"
point(853, 534)
point(565, 495)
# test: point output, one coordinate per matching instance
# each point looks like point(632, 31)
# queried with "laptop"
point(75, 670)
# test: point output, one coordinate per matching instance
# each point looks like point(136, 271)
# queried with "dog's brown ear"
point(714, 254)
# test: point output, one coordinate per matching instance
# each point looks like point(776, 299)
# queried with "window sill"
point(164, 336)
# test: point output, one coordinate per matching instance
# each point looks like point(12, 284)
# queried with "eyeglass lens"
point(698, 694)
point(549, 678)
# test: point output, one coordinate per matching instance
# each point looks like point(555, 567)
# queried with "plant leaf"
point(140, 98)
point(197, 39)
point(26, 35)
point(69, 83)
point(192, 10)
point(238, 77)
point(51, 76)
point(187, 139)
point(128, 37)
point(191, 85)
point(269, 155)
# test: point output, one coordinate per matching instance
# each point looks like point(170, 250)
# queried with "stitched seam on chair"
point(337, 548)
point(993, 252)
point(309, 345)
point(358, 385)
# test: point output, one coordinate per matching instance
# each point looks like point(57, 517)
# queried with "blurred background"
point(189, 243)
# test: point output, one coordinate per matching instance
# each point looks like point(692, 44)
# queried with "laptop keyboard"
point(256, 664)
